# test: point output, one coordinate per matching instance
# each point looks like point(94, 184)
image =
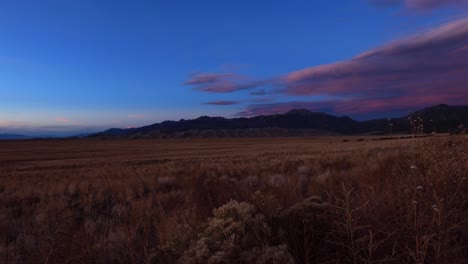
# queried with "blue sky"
point(76, 66)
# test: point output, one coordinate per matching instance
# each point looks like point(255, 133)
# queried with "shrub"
point(237, 233)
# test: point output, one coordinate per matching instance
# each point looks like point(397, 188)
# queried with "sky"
point(70, 67)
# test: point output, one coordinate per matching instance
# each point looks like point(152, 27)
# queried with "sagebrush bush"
point(237, 233)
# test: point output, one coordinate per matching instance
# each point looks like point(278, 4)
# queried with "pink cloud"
point(428, 68)
point(356, 106)
point(217, 82)
point(432, 61)
point(419, 4)
point(62, 120)
point(263, 99)
point(222, 102)
point(259, 92)
point(223, 82)
point(430, 4)
point(205, 78)
point(9, 123)
point(225, 87)
point(65, 121)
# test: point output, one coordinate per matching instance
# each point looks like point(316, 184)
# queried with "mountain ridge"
point(13, 136)
point(296, 122)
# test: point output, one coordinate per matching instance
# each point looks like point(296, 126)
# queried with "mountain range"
point(299, 122)
point(20, 136)
point(13, 136)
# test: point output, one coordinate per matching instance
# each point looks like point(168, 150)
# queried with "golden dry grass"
point(148, 201)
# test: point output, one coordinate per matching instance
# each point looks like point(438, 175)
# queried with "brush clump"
point(237, 233)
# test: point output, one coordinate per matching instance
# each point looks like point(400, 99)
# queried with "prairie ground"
point(268, 200)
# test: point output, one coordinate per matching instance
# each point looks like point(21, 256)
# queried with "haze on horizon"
point(69, 67)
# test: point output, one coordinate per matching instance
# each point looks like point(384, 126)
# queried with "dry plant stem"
point(129, 233)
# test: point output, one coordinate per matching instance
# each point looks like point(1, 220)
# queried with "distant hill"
point(440, 118)
point(299, 122)
point(81, 135)
point(19, 136)
point(12, 136)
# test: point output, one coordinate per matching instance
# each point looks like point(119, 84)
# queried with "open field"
point(299, 200)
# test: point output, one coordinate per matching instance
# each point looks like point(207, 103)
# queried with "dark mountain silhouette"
point(20, 136)
point(440, 118)
point(299, 122)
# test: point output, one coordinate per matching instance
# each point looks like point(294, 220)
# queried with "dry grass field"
point(295, 200)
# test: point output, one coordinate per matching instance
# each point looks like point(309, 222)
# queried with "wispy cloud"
point(430, 4)
point(209, 78)
point(64, 120)
point(223, 82)
point(259, 92)
point(357, 107)
point(431, 64)
point(9, 123)
point(419, 4)
point(222, 102)
point(263, 99)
